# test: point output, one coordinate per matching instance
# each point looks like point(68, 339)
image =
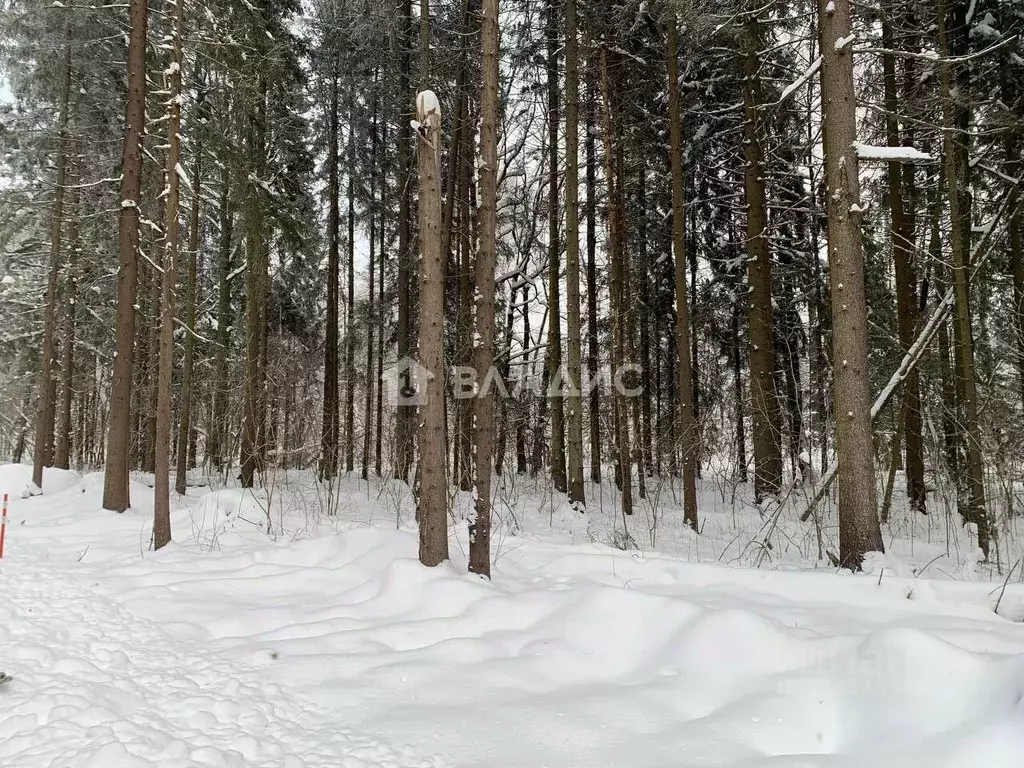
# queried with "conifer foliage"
point(446, 246)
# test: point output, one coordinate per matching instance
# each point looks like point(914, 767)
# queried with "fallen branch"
point(978, 258)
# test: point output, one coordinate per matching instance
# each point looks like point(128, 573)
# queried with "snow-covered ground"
point(302, 639)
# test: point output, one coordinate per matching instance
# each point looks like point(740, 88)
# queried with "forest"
point(634, 251)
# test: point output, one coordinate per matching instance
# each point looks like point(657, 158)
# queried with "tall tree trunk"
point(645, 453)
point(859, 532)
point(172, 231)
point(952, 30)
point(62, 455)
point(684, 388)
point(903, 237)
point(483, 434)
point(737, 379)
point(457, 155)
point(789, 345)
point(623, 471)
point(592, 340)
point(188, 363)
point(554, 350)
point(141, 375)
point(153, 348)
point(627, 302)
point(405, 418)
point(659, 423)
point(115, 478)
point(1017, 260)
point(432, 501)
point(378, 437)
point(370, 306)
point(329, 431)
point(537, 450)
point(691, 254)
point(505, 421)
point(219, 437)
point(817, 317)
point(43, 450)
point(424, 61)
point(543, 403)
point(1012, 95)
point(764, 403)
point(350, 304)
point(574, 444)
point(464, 345)
point(950, 435)
point(253, 415)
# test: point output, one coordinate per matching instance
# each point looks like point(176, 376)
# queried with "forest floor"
point(294, 628)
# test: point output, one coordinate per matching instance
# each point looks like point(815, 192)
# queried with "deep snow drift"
point(273, 635)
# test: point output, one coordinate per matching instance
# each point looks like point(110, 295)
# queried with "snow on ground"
point(273, 635)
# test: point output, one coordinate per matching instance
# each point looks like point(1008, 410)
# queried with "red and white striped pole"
point(3, 525)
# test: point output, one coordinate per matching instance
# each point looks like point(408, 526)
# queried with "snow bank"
point(97, 687)
point(609, 659)
point(271, 651)
point(16, 480)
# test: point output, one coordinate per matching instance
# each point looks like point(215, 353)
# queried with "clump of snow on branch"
point(890, 154)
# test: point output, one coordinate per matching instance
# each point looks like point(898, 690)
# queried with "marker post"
point(3, 525)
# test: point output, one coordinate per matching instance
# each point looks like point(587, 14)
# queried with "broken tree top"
point(427, 103)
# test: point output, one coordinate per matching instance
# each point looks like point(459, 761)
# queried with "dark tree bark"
point(952, 30)
point(554, 350)
point(684, 388)
point(253, 415)
point(903, 237)
point(329, 431)
point(115, 479)
point(859, 532)
point(172, 231)
point(617, 257)
point(62, 454)
point(219, 435)
point(43, 450)
point(378, 437)
point(574, 444)
point(480, 528)
point(188, 363)
point(370, 297)
point(1017, 270)
point(764, 404)
point(592, 340)
point(405, 418)
point(350, 303)
point(737, 378)
point(464, 348)
point(432, 501)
